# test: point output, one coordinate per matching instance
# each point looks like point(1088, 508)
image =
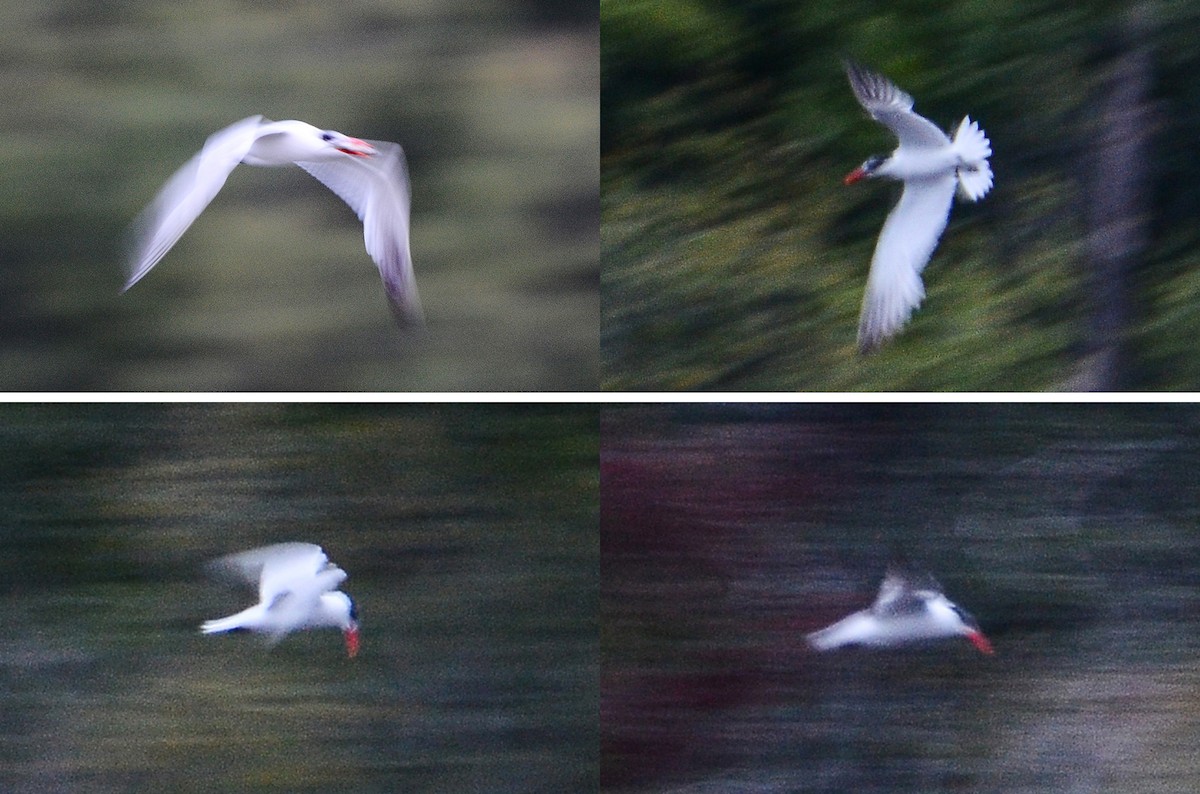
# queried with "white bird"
point(370, 176)
point(296, 590)
point(930, 164)
point(905, 611)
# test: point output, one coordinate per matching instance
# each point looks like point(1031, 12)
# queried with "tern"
point(296, 590)
point(370, 176)
point(931, 165)
point(905, 611)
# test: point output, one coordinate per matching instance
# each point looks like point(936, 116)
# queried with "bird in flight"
point(297, 589)
point(931, 165)
point(906, 610)
point(370, 176)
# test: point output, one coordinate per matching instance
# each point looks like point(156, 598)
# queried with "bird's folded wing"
point(296, 597)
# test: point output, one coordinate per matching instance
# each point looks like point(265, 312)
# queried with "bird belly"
point(855, 629)
point(862, 628)
point(916, 164)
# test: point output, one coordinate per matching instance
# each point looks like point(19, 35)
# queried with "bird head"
point(866, 169)
point(346, 144)
point(969, 628)
point(350, 629)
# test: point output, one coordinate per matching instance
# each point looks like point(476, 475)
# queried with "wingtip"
point(855, 71)
point(851, 65)
point(408, 319)
point(911, 577)
point(867, 347)
point(405, 305)
point(871, 337)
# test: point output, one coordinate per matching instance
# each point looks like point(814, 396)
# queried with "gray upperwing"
point(892, 108)
point(899, 594)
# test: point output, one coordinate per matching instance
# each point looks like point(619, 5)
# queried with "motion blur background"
point(494, 102)
point(469, 536)
point(734, 258)
point(728, 532)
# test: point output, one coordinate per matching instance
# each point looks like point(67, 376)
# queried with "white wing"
point(186, 194)
point(275, 569)
point(377, 189)
point(892, 108)
point(291, 579)
point(906, 242)
point(297, 569)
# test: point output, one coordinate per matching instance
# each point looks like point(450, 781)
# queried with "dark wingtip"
point(408, 320)
point(868, 84)
point(869, 346)
point(856, 72)
point(405, 305)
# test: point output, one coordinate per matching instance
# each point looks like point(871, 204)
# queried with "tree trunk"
point(1115, 173)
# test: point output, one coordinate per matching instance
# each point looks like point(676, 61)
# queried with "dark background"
point(469, 536)
point(728, 532)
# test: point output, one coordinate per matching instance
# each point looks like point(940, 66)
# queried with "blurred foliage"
point(495, 104)
point(735, 259)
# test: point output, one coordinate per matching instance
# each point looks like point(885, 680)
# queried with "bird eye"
point(327, 136)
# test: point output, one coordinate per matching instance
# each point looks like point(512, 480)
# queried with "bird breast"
point(288, 142)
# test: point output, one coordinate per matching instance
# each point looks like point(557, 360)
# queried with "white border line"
point(599, 397)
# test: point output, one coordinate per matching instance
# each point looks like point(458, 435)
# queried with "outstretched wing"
point(906, 242)
point(276, 569)
point(376, 187)
point(298, 569)
point(186, 194)
point(892, 108)
point(902, 594)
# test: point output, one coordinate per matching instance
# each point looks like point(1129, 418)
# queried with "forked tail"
point(974, 149)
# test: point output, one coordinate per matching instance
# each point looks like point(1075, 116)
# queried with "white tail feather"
point(823, 640)
point(242, 620)
point(224, 624)
point(974, 149)
point(850, 630)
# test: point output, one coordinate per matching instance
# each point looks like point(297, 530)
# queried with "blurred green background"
point(495, 104)
point(469, 535)
point(735, 259)
point(730, 531)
